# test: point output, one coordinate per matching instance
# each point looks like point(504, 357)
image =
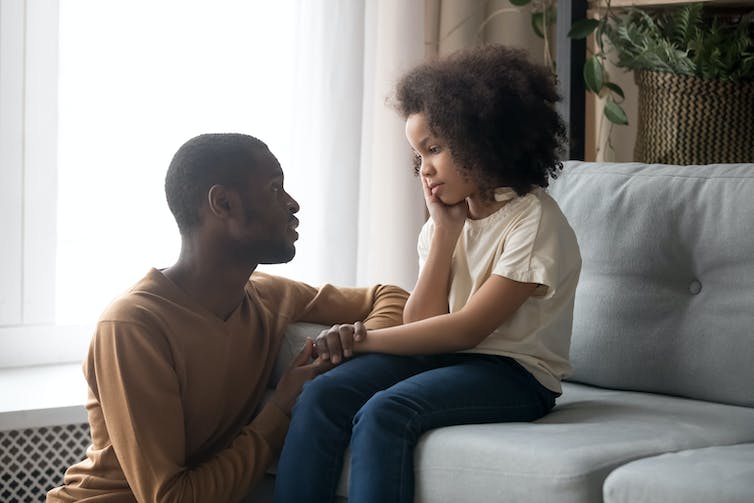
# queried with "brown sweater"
point(174, 391)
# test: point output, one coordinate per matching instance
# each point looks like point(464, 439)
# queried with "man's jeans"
point(381, 404)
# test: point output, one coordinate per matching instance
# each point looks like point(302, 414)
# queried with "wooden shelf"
point(660, 3)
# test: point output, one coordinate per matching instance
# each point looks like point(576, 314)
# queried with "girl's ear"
point(220, 201)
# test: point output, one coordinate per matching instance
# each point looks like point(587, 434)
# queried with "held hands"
point(331, 347)
point(451, 217)
point(336, 343)
point(293, 380)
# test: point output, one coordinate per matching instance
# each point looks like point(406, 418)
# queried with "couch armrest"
point(292, 343)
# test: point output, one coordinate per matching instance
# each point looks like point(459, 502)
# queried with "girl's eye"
point(434, 150)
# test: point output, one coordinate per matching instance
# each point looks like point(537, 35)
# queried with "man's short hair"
point(203, 161)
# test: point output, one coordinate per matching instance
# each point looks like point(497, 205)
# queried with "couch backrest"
point(665, 302)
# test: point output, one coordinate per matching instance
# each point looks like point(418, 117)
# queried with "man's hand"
point(336, 343)
point(292, 381)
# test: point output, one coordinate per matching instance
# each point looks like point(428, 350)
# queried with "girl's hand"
point(450, 217)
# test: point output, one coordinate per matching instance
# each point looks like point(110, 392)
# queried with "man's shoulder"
point(265, 282)
point(282, 295)
point(144, 299)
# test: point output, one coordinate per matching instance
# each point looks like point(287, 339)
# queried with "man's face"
point(268, 230)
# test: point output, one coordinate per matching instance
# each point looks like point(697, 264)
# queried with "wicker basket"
point(688, 120)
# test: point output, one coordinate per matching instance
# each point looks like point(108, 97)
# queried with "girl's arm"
point(487, 309)
point(430, 295)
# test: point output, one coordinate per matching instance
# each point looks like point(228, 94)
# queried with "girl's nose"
point(426, 168)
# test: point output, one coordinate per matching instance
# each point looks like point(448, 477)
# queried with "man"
point(178, 365)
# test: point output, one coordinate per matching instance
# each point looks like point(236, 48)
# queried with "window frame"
point(28, 186)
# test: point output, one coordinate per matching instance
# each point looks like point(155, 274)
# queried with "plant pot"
point(689, 120)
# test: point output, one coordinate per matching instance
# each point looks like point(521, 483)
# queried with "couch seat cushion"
point(719, 474)
point(567, 455)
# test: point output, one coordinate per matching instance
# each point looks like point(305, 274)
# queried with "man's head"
point(233, 185)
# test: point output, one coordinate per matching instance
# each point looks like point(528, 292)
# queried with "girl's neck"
point(480, 207)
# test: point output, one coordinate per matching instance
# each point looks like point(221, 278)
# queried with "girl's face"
point(437, 169)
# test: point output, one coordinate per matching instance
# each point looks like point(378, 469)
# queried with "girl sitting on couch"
point(488, 324)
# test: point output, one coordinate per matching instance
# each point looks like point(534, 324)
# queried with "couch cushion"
point(719, 474)
point(665, 301)
point(567, 455)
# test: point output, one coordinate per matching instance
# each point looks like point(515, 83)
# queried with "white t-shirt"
point(527, 240)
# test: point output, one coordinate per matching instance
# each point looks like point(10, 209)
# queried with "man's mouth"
point(292, 225)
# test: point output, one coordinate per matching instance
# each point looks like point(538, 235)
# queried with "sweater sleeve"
point(378, 307)
point(130, 372)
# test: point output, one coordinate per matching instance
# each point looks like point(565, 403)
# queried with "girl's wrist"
point(446, 236)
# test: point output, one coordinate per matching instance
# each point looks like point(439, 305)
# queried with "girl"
point(487, 327)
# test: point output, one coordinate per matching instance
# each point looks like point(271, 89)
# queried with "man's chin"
point(283, 257)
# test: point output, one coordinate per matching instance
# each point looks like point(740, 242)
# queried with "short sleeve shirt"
point(528, 240)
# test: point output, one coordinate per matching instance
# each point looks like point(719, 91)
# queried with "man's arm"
point(380, 306)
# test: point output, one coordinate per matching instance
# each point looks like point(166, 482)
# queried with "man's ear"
point(220, 201)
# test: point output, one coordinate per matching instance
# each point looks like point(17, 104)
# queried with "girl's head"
point(493, 111)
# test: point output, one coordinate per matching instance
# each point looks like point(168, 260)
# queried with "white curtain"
point(310, 77)
point(350, 164)
point(361, 206)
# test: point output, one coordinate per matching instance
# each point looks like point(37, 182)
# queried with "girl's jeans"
point(381, 404)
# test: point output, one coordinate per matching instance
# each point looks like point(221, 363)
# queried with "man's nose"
point(293, 205)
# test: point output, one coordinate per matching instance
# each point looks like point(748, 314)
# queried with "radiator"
point(33, 460)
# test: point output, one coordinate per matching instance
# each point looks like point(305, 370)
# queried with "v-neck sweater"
point(175, 393)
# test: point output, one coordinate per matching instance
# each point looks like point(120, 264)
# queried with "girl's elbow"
point(469, 341)
point(474, 335)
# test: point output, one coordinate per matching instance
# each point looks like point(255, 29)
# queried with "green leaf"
point(616, 89)
point(519, 3)
point(615, 113)
point(582, 28)
point(593, 74)
point(537, 24)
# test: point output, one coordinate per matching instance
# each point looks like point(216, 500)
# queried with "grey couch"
point(660, 407)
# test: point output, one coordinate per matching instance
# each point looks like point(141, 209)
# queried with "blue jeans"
point(381, 405)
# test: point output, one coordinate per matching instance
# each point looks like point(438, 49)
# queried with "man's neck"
point(213, 282)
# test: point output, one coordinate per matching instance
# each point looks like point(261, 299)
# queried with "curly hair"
point(496, 111)
point(203, 161)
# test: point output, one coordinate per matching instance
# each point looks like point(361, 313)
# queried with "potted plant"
point(688, 64)
point(695, 75)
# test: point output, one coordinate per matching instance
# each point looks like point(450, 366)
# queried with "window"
point(96, 97)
